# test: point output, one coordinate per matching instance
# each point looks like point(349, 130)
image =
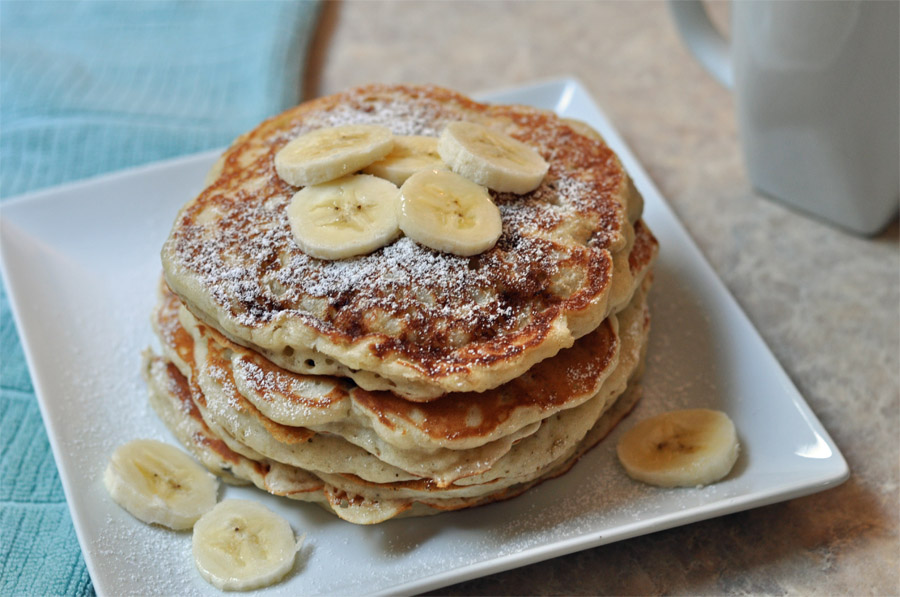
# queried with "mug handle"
point(702, 38)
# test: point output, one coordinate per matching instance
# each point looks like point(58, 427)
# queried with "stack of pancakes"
point(407, 381)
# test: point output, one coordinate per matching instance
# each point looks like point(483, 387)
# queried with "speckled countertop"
point(827, 303)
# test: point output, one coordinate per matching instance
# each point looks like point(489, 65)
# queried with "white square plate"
point(81, 266)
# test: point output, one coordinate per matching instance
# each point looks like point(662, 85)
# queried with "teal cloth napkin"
point(88, 87)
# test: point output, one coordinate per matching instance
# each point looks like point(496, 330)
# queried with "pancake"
point(171, 397)
point(405, 318)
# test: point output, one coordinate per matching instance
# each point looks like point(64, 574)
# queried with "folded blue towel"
point(88, 87)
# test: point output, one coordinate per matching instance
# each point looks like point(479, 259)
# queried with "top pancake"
point(407, 318)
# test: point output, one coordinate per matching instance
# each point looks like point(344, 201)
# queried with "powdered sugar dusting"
point(402, 117)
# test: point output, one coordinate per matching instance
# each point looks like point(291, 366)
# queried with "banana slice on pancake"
point(241, 545)
point(491, 158)
point(411, 154)
point(329, 153)
point(350, 216)
point(159, 484)
point(444, 211)
point(682, 448)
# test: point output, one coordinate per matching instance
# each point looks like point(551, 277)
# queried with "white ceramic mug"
point(817, 92)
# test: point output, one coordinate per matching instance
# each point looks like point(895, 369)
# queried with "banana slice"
point(241, 545)
point(447, 212)
point(325, 154)
point(353, 215)
point(411, 153)
point(683, 448)
point(490, 158)
point(159, 484)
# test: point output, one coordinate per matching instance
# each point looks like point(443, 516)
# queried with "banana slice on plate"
point(682, 448)
point(159, 484)
point(353, 215)
point(446, 212)
point(411, 153)
point(329, 153)
point(491, 158)
point(241, 545)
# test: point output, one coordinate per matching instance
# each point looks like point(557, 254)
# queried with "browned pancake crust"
point(233, 246)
